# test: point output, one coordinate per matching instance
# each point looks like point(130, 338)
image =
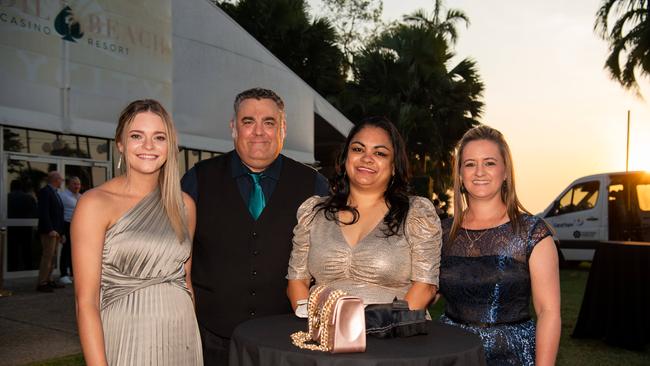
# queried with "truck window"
point(643, 193)
point(564, 205)
point(582, 196)
point(617, 212)
point(616, 195)
point(585, 196)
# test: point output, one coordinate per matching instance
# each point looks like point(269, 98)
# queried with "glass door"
point(91, 174)
point(23, 178)
point(24, 175)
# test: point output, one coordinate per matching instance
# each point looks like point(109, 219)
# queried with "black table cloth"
point(616, 303)
point(265, 341)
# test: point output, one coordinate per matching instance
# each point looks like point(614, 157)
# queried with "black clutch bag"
point(394, 320)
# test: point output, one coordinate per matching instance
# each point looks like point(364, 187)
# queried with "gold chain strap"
point(312, 309)
point(318, 318)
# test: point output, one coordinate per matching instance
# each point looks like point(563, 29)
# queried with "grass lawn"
point(586, 351)
point(573, 352)
point(579, 352)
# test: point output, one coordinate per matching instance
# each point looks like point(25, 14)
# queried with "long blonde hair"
point(514, 208)
point(168, 179)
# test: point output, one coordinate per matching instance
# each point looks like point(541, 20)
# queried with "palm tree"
point(442, 27)
point(628, 38)
point(405, 74)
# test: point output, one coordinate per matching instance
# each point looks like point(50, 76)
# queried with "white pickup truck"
point(601, 207)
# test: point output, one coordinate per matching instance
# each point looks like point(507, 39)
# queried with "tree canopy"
point(406, 74)
point(355, 22)
point(404, 71)
point(308, 47)
point(628, 37)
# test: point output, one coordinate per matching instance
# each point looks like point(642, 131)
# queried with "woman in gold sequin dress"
point(132, 252)
point(370, 238)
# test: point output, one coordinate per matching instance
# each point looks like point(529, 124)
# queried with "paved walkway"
point(36, 326)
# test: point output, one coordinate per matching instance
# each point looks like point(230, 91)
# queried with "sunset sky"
point(547, 91)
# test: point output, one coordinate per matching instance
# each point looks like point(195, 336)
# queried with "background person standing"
point(50, 228)
point(69, 198)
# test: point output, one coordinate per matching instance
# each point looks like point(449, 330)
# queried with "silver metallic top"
point(377, 268)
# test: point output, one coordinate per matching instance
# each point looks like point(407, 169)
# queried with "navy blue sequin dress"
point(486, 284)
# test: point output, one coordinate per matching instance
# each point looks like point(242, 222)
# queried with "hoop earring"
point(119, 162)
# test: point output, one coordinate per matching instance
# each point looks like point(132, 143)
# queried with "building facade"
point(68, 69)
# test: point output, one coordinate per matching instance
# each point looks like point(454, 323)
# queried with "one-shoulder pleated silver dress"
point(146, 309)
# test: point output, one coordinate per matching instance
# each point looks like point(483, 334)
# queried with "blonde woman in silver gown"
point(132, 252)
point(370, 238)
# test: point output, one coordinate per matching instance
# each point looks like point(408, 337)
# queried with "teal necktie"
point(256, 201)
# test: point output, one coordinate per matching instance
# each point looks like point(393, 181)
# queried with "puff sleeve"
point(298, 267)
point(423, 233)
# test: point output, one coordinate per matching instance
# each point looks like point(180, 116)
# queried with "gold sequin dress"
point(377, 268)
point(146, 309)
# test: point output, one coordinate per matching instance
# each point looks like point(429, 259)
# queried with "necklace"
point(472, 241)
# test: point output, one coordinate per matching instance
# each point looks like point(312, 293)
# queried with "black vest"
point(238, 264)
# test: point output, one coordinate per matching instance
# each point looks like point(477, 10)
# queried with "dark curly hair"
point(396, 194)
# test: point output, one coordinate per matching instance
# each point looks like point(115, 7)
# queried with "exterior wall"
point(188, 54)
point(61, 78)
point(67, 73)
point(214, 59)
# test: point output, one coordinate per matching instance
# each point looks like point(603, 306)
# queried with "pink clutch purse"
point(336, 322)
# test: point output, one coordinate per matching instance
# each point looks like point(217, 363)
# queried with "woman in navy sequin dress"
point(495, 256)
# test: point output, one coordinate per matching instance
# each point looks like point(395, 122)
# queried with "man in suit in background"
point(69, 198)
point(50, 228)
point(246, 204)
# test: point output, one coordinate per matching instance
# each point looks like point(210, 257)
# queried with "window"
point(585, 196)
point(582, 196)
point(565, 201)
point(188, 157)
point(52, 143)
point(616, 196)
point(181, 161)
point(615, 189)
point(38, 142)
point(643, 192)
point(193, 157)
